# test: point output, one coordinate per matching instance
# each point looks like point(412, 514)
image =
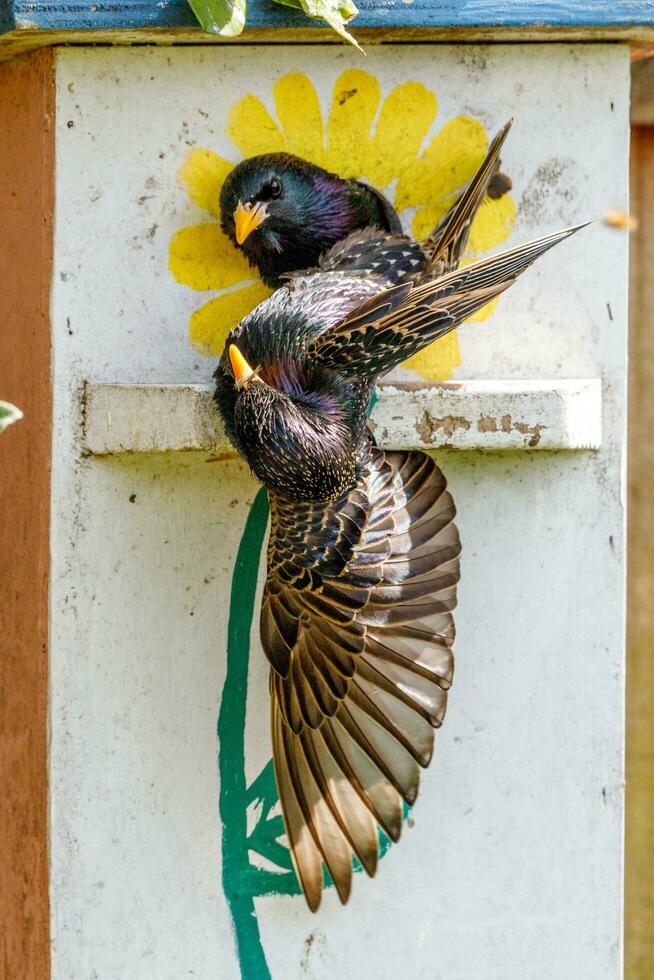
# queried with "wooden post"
point(26, 203)
point(639, 896)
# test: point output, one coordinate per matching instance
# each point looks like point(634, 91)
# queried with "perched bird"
point(285, 213)
point(356, 617)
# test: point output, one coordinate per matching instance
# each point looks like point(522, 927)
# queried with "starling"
point(363, 553)
point(285, 213)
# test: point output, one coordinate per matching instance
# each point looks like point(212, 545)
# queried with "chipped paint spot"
point(532, 430)
point(426, 426)
point(488, 423)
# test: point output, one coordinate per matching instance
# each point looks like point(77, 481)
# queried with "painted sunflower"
point(391, 157)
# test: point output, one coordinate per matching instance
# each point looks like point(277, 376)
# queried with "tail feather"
point(447, 242)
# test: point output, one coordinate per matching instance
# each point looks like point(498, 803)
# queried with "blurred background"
point(639, 894)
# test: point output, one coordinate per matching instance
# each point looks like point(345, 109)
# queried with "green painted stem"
point(231, 753)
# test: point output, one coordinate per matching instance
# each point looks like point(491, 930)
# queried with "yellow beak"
point(247, 217)
point(240, 368)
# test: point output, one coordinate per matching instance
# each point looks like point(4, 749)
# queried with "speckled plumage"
point(319, 344)
point(356, 618)
point(363, 555)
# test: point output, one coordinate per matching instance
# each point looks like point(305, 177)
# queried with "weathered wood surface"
point(26, 227)
point(137, 14)
point(469, 415)
point(639, 910)
point(642, 93)
point(26, 24)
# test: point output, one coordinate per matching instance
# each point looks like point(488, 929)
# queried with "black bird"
point(356, 618)
point(285, 213)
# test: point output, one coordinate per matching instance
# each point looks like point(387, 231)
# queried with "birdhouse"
point(144, 830)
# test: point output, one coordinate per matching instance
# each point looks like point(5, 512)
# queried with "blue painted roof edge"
point(175, 14)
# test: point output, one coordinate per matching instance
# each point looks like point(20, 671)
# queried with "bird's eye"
point(275, 187)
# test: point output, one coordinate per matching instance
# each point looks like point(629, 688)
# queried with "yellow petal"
point(251, 127)
point(355, 100)
point(210, 326)
point(425, 219)
point(404, 121)
point(299, 113)
point(492, 225)
point(202, 175)
point(437, 362)
point(493, 222)
point(450, 160)
point(201, 257)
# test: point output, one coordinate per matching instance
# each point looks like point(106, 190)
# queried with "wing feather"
point(375, 791)
point(306, 856)
point(352, 815)
point(361, 659)
point(400, 321)
point(324, 829)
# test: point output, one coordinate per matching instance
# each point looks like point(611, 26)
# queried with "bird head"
point(283, 213)
point(293, 422)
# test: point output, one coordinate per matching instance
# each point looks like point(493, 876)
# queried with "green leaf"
point(8, 414)
point(337, 13)
point(224, 17)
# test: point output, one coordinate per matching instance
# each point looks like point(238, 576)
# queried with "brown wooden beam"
point(639, 893)
point(642, 90)
point(27, 105)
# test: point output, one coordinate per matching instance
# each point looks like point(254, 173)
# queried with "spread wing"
point(357, 623)
point(400, 321)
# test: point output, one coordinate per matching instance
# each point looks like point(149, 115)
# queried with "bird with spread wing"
point(363, 554)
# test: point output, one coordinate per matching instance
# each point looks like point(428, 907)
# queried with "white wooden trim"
point(469, 415)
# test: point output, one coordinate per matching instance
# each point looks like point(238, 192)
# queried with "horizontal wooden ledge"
point(469, 415)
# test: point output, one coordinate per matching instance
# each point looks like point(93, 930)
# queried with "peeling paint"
point(426, 426)
point(475, 415)
point(532, 430)
point(488, 423)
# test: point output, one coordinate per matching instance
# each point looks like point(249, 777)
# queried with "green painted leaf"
point(224, 17)
point(8, 414)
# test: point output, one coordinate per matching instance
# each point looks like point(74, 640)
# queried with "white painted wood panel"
point(474, 415)
point(512, 866)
